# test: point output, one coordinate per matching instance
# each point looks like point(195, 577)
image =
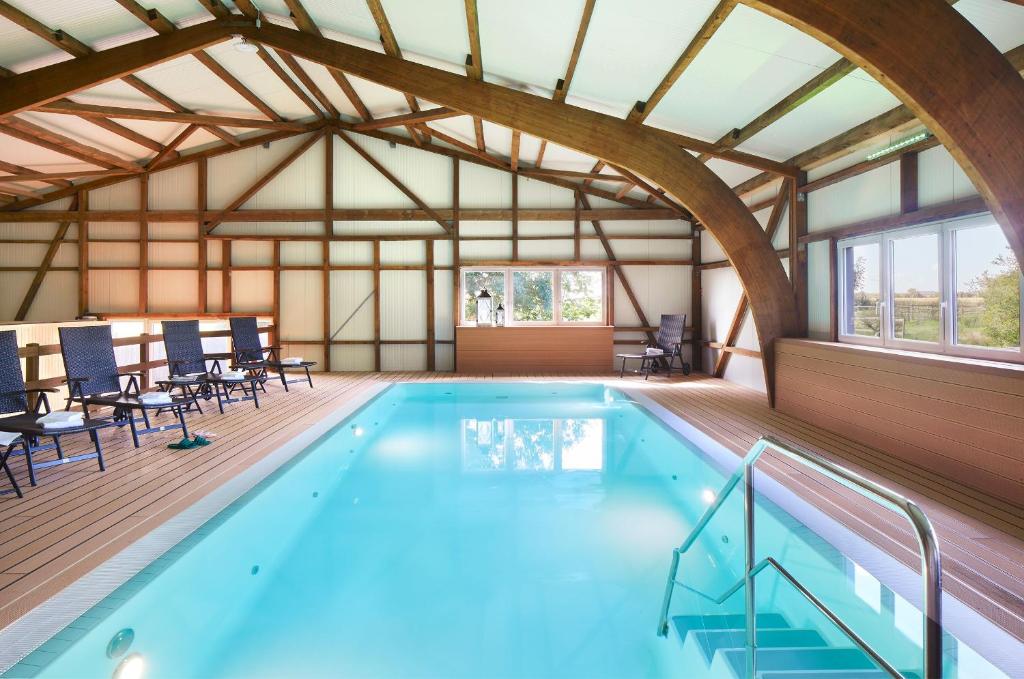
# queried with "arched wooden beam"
point(642, 150)
point(946, 72)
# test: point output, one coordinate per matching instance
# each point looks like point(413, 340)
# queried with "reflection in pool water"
point(543, 445)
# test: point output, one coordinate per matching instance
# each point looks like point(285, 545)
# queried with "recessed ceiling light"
point(243, 45)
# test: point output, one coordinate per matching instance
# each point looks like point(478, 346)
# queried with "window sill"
point(979, 365)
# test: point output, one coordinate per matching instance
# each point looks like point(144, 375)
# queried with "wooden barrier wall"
point(960, 418)
point(533, 349)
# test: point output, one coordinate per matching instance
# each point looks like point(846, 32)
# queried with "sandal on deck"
point(200, 441)
point(183, 444)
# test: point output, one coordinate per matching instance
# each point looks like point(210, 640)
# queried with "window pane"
point(987, 289)
point(582, 292)
point(915, 288)
point(533, 297)
point(475, 281)
point(861, 290)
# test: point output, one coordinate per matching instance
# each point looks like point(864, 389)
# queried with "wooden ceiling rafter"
point(642, 109)
point(390, 44)
point(59, 143)
point(415, 118)
point(119, 112)
point(304, 22)
point(162, 25)
point(475, 65)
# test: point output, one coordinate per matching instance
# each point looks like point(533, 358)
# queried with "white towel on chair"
point(7, 438)
point(61, 419)
point(233, 375)
point(291, 360)
point(654, 351)
point(156, 397)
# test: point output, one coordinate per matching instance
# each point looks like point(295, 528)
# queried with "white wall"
point(356, 184)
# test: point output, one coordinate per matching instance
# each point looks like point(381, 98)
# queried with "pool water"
point(471, 530)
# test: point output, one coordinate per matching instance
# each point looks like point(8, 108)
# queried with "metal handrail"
point(931, 567)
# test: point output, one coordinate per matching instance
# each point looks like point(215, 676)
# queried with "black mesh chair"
point(95, 380)
point(251, 355)
point(670, 341)
point(184, 347)
point(19, 414)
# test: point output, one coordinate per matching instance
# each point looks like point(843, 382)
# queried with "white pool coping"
point(32, 630)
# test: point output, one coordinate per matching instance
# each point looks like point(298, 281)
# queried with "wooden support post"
point(326, 245)
point(696, 303)
point(576, 226)
point(44, 266)
point(225, 276)
point(515, 216)
point(797, 250)
point(609, 294)
point(144, 246)
point(201, 204)
point(275, 338)
point(376, 305)
point(32, 371)
point(83, 253)
point(430, 304)
point(833, 290)
point(144, 357)
point(908, 182)
point(456, 273)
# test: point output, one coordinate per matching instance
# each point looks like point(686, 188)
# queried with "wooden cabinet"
point(533, 349)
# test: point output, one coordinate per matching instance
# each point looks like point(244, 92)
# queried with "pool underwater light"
point(132, 667)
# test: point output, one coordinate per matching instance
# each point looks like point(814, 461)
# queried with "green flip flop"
point(183, 444)
point(200, 441)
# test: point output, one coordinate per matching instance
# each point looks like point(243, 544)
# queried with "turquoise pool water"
point(476, 530)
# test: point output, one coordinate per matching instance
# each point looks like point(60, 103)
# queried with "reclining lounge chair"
point(20, 416)
point(250, 354)
point(668, 342)
point(94, 380)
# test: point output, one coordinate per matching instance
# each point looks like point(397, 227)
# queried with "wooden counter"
point(535, 349)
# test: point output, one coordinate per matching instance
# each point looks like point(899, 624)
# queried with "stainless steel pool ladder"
point(931, 569)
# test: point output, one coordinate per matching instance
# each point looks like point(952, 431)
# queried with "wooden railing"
point(33, 352)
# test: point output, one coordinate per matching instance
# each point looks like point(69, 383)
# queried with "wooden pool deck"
point(78, 517)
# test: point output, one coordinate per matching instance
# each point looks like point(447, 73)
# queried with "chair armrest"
point(49, 390)
point(69, 380)
point(131, 375)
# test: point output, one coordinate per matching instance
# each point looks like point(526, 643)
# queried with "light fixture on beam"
point(244, 45)
point(902, 144)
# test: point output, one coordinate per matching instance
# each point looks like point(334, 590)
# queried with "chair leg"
point(99, 449)
point(7, 469)
point(284, 381)
point(56, 443)
point(181, 418)
point(309, 378)
point(135, 431)
point(255, 397)
point(31, 467)
point(622, 368)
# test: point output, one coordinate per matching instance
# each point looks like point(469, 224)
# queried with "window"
point(559, 296)
point(953, 287)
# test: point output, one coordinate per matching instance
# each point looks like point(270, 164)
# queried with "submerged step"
point(835, 674)
point(795, 659)
point(685, 624)
point(711, 641)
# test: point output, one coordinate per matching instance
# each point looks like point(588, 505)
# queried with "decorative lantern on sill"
point(499, 315)
point(483, 308)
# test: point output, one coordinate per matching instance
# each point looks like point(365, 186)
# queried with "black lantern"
point(483, 308)
point(499, 315)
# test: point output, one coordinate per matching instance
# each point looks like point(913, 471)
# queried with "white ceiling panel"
point(436, 29)
point(1000, 21)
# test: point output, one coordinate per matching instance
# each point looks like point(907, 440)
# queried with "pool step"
point(784, 652)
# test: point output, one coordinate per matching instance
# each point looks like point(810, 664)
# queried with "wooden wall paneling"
point(202, 201)
point(543, 349)
point(962, 419)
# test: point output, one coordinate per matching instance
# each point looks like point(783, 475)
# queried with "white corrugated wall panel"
point(231, 174)
point(214, 292)
point(442, 253)
point(537, 194)
point(819, 302)
point(301, 253)
point(14, 284)
point(121, 196)
point(298, 186)
point(415, 228)
point(174, 189)
point(358, 185)
point(349, 293)
point(57, 299)
point(252, 291)
point(352, 357)
point(302, 295)
point(427, 175)
point(402, 357)
point(482, 187)
point(485, 250)
point(940, 178)
point(552, 228)
point(113, 254)
point(173, 231)
point(470, 229)
point(544, 250)
point(403, 252)
point(403, 301)
point(351, 252)
point(866, 196)
point(173, 290)
point(113, 291)
point(102, 230)
point(252, 253)
point(444, 357)
point(173, 254)
point(444, 296)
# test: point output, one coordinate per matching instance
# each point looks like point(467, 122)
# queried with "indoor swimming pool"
point(493, 530)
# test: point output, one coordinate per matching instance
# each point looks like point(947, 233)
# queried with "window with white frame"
point(952, 287)
point(537, 296)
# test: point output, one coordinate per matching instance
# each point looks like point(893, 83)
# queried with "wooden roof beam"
point(94, 111)
point(408, 119)
point(475, 65)
point(40, 136)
